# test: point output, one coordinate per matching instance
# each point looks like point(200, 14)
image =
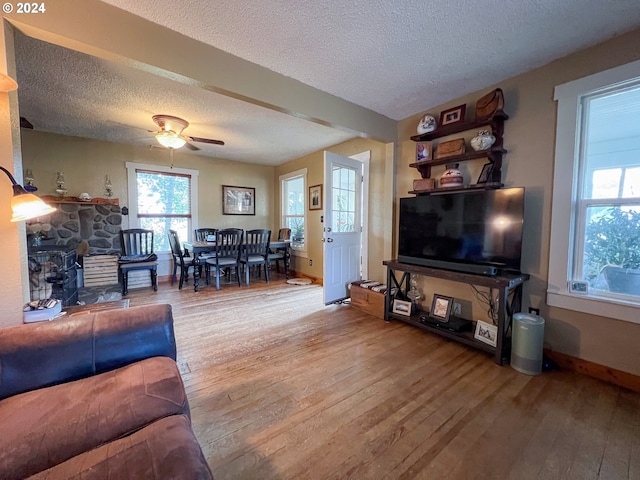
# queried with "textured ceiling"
point(397, 58)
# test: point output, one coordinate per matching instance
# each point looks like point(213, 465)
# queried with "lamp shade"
point(170, 140)
point(25, 205)
point(7, 84)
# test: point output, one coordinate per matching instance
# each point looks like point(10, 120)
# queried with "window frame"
point(566, 178)
point(132, 187)
point(295, 250)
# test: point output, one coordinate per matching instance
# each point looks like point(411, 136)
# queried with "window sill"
point(604, 307)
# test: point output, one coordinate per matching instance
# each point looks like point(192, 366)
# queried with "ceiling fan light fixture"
point(170, 140)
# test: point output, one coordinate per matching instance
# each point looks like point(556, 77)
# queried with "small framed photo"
point(424, 151)
point(485, 174)
point(441, 308)
point(401, 307)
point(315, 197)
point(238, 200)
point(453, 115)
point(487, 333)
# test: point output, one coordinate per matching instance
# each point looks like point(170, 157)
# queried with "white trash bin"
point(527, 342)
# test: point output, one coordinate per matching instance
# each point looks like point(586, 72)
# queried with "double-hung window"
point(293, 207)
point(163, 200)
point(595, 234)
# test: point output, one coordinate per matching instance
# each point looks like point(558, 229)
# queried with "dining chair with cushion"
point(228, 248)
point(180, 259)
point(278, 255)
point(205, 235)
point(256, 252)
point(136, 245)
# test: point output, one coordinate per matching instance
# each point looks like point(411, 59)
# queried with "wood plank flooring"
point(282, 387)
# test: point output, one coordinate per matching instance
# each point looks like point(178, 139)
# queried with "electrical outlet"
point(457, 309)
point(310, 263)
point(535, 311)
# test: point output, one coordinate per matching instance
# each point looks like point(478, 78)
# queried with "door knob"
point(329, 240)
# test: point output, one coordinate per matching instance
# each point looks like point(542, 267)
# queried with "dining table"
point(196, 249)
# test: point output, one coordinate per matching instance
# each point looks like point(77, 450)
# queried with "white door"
point(342, 225)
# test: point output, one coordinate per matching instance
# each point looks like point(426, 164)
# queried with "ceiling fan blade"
point(191, 147)
point(207, 140)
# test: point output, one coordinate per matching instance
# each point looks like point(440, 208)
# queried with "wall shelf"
point(493, 155)
point(93, 201)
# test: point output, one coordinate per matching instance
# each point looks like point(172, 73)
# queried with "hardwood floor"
point(282, 387)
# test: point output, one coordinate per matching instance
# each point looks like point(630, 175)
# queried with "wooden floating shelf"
point(446, 130)
point(488, 153)
point(464, 188)
point(93, 201)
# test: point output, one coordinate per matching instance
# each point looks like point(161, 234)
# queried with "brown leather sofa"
point(96, 396)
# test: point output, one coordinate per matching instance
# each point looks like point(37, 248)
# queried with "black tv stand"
point(509, 286)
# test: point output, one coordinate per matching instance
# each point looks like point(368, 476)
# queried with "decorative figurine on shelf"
point(483, 141)
point(452, 177)
point(414, 294)
point(427, 124)
point(28, 181)
point(108, 188)
point(60, 188)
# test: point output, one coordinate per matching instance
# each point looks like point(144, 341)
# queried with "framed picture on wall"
point(238, 200)
point(315, 197)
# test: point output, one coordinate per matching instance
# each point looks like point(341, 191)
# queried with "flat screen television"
point(478, 231)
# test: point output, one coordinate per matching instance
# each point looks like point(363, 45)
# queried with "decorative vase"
point(427, 124)
point(483, 140)
point(452, 177)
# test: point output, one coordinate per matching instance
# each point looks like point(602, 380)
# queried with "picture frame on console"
point(401, 307)
point(441, 308)
point(487, 333)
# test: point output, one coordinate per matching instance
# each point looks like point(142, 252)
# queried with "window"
point(162, 199)
point(597, 188)
point(293, 206)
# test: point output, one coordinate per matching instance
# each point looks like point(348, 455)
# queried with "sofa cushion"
point(44, 427)
point(166, 449)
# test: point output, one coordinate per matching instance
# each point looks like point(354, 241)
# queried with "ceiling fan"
point(171, 136)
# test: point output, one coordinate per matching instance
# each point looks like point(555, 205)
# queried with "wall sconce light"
point(25, 205)
point(7, 84)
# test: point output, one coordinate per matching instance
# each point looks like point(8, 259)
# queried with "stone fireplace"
point(89, 228)
point(97, 224)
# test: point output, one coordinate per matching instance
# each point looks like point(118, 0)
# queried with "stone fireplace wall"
point(97, 224)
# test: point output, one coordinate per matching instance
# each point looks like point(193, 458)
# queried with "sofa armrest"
point(41, 354)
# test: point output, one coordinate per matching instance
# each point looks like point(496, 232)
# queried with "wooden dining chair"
point(228, 248)
point(278, 255)
point(180, 259)
point(136, 245)
point(256, 252)
point(204, 235)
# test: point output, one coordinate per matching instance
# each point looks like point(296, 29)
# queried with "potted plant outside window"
point(612, 247)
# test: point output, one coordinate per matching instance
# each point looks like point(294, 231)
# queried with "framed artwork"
point(485, 174)
point(424, 151)
point(238, 200)
point(453, 115)
point(487, 333)
point(441, 308)
point(402, 308)
point(315, 197)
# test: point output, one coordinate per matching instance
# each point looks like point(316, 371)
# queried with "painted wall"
point(530, 140)
point(86, 162)
point(380, 193)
